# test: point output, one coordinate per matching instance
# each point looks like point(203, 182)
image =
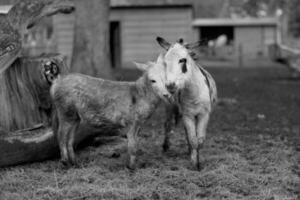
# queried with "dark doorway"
point(213, 32)
point(115, 43)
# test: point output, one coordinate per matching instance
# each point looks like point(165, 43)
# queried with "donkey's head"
point(178, 62)
point(155, 77)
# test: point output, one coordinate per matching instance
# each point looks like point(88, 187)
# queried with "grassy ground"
point(252, 152)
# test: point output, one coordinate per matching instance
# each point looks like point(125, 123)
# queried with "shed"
point(247, 36)
point(136, 23)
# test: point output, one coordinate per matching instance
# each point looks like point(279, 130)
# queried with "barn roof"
point(270, 21)
point(150, 3)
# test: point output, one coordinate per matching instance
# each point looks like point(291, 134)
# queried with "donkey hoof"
point(74, 162)
point(196, 167)
point(201, 141)
point(166, 147)
point(65, 164)
point(131, 162)
point(131, 167)
point(199, 167)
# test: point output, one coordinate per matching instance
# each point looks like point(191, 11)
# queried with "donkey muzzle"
point(171, 87)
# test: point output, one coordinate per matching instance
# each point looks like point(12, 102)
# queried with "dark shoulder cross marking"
point(206, 80)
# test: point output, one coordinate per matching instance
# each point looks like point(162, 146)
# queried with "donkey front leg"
point(132, 144)
point(168, 127)
point(188, 141)
point(172, 113)
point(202, 121)
point(62, 137)
point(190, 126)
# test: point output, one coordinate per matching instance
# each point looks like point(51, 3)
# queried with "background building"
point(247, 37)
point(134, 24)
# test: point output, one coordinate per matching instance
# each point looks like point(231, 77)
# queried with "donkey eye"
point(183, 68)
point(182, 60)
point(153, 81)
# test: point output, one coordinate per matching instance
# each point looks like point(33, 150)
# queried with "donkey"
point(194, 90)
point(103, 106)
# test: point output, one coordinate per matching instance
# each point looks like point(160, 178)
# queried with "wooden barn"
point(246, 37)
point(136, 23)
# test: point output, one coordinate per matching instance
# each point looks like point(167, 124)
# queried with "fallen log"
point(28, 145)
point(39, 143)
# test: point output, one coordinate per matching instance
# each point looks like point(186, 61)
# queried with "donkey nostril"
point(171, 88)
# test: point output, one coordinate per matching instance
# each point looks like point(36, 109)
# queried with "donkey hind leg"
point(62, 137)
point(190, 126)
point(132, 145)
point(70, 143)
point(202, 121)
point(188, 141)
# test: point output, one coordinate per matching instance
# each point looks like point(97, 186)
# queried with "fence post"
point(240, 55)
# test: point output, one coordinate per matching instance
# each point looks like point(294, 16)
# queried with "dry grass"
point(252, 152)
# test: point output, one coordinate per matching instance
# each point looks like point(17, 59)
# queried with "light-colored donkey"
point(194, 90)
point(103, 105)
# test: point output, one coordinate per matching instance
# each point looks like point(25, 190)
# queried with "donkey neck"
point(144, 99)
point(144, 92)
point(196, 87)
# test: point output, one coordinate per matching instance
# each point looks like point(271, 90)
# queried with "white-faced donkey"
point(97, 104)
point(194, 90)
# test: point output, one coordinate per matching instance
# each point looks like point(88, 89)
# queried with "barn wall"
point(250, 40)
point(254, 40)
point(270, 37)
point(140, 26)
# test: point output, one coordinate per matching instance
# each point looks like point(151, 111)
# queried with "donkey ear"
point(141, 66)
point(160, 58)
point(180, 41)
point(163, 43)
